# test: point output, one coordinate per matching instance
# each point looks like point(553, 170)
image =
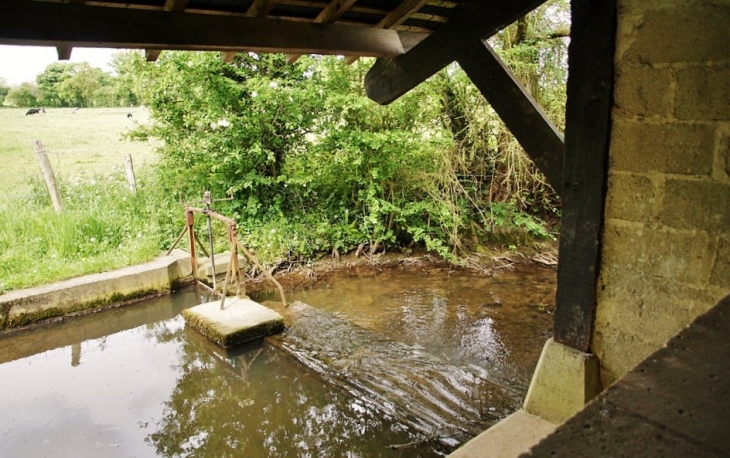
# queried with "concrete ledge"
point(26, 306)
point(565, 380)
point(509, 438)
point(221, 264)
point(242, 320)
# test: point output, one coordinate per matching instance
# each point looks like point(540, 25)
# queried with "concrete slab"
point(221, 264)
point(93, 292)
point(676, 403)
point(509, 438)
point(565, 380)
point(241, 320)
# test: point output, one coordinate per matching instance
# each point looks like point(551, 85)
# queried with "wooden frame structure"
point(413, 39)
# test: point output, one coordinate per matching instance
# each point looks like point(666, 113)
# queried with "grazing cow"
point(33, 111)
point(129, 115)
point(76, 109)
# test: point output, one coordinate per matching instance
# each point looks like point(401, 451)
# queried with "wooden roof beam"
point(151, 55)
point(64, 52)
point(331, 13)
point(389, 79)
point(259, 8)
point(36, 23)
point(394, 18)
point(523, 116)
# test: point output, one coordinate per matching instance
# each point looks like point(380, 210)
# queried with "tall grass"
point(103, 226)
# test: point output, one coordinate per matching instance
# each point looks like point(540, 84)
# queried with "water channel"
point(391, 363)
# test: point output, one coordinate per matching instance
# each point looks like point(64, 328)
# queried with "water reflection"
point(438, 353)
point(159, 389)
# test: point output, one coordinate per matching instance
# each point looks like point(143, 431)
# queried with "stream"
point(391, 363)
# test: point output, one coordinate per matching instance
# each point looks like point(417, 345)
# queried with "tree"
point(25, 95)
point(4, 89)
point(78, 89)
point(48, 82)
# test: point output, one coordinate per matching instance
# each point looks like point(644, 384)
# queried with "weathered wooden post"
point(49, 176)
point(129, 169)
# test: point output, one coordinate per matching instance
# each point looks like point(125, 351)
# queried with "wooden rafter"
point(396, 17)
point(260, 9)
point(175, 5)
point(587, 139)
point(331, 13)
point(133, 28)
point(542, 141)
point(64, 52)
point(151, 55)
point(389, 79)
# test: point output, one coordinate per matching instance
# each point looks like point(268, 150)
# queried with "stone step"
point(240, 320)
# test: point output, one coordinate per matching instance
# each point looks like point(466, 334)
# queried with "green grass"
point(78, 145)
point(103, 226)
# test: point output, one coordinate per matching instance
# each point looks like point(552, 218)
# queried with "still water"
point(384, 359)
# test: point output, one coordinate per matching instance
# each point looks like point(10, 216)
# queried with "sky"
point(19, 64)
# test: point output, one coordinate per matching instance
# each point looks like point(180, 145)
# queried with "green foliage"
point(4, 89)
point(103, 226)
point(25, 95)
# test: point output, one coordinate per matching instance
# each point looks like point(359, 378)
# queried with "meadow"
point(103, 225)
point(79, 145)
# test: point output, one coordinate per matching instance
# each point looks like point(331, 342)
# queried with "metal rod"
point(212, 255)
point(266, 272)
point(179, 237)
point(190, 220)
point(207, 288)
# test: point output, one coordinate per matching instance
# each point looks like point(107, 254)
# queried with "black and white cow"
point(33, 111)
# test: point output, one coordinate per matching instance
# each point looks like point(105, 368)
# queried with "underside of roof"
point(378, 28)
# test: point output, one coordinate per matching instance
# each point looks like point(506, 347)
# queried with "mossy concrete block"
point(677, 148)
point(564, 381)
point(241, 320)
point(91, 292)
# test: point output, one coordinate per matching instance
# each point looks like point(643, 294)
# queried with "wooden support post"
point(523, 116)
point(49, 176)
point(129, 169)
point(587, 140)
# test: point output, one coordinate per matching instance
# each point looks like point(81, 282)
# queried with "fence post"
point(49, 176)
point(129, 168)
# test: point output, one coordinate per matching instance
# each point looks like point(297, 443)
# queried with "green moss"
point(211, 331)
point(53, 312)
point(4, 311)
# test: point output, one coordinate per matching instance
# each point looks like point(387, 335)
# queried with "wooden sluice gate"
point(229, 321)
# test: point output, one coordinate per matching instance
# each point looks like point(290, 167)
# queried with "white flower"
point(92, 240)
point(254, 94)
point(223, 123)
point(273, 84)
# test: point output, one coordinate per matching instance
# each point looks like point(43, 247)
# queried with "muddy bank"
point(297, 275)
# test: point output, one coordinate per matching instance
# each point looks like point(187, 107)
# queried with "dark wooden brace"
point(461, 40)
point(576, 169)
point(587, 139)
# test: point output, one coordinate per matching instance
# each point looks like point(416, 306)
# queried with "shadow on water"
point(136, 382)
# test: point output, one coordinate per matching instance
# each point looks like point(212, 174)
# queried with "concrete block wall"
point(666, 241)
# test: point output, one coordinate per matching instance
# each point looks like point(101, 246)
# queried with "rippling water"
point(385, 361)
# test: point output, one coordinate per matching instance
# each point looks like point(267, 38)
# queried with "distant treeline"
point(64, 84)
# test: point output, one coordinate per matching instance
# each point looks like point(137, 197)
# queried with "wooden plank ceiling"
point(354, 28)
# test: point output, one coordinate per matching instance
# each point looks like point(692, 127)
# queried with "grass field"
point(82, 144)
